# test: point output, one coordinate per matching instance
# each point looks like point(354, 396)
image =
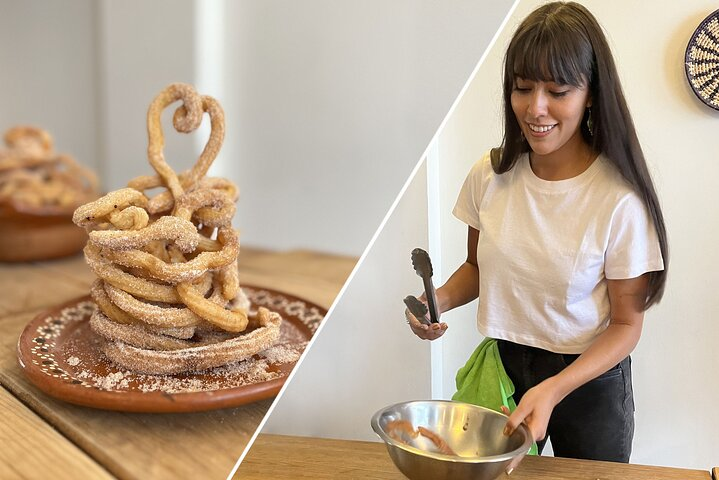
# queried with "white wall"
point(86, 72)
point(47, 53)
point(674, 365)
point(329, 104)
point(472, 127)
point(332, 103)
point(365, 358)
point(677, 359)
point(143, 47)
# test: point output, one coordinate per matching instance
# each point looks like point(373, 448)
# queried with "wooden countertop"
point(46, 438)
point(284, 457)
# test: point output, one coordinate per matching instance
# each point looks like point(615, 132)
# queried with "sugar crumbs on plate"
point(257, 369)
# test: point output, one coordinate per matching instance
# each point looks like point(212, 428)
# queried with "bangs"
point(563, 56)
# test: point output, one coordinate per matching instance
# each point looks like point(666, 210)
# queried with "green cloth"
point(484, 382)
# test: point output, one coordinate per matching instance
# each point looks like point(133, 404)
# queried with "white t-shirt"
point(546, 249)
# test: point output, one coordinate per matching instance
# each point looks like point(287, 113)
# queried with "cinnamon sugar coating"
point(35, 178)
point(168, 292)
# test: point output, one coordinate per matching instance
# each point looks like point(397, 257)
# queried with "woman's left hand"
point(534, 410)
point(626, 299)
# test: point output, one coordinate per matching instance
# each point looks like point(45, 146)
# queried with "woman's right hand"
point(425, 332)
point(462, 287)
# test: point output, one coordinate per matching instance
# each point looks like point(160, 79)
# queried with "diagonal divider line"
point(377, 232)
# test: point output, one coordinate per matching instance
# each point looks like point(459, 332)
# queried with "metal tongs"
point(423, 267)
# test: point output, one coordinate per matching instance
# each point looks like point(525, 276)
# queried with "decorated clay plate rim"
point(46, 373)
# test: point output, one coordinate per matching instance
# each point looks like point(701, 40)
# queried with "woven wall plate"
point(701, 61)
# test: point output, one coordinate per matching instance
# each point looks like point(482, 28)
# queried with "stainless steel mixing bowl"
point(474, 434)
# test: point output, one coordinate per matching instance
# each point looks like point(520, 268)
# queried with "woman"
point(566, 246)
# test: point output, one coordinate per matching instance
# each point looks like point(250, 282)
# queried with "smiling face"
point(550, 115)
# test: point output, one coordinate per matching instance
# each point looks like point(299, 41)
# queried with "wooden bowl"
point(40, 234)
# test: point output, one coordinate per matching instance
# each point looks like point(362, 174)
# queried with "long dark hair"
point(563, 42)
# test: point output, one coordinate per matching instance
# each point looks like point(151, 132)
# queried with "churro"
point(207, 355)
point(399, 429)
point(168, 294)
point(34, 178)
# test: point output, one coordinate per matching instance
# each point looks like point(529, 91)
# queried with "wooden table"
point(45, 438)
point(283, 458)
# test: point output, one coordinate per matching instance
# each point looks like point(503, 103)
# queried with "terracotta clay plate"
point(62, 356)
point(43, 234)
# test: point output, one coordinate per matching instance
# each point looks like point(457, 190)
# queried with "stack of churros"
point(35, 179)
point(167, 290)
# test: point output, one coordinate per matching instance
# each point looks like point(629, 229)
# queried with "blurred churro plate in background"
point(39, 191)
point(42, 235)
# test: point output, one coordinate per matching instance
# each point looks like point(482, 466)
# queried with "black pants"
point(594, 422)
